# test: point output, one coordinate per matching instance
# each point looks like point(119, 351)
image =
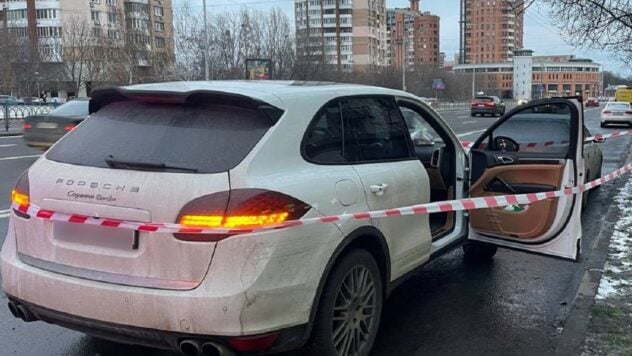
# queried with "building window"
point(95, 1)
point(46, 13)
point(49, 32)
point(160, 42)
point(17, 14)
point(158, 11)
point(159, 27)
point(111, 17)
point(110, 2)
point(95, 15)
point(113, 35)
point(96, 32)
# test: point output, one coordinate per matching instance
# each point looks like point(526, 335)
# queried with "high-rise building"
point(350, 34)
point(58, 31)
point(490, 30)
point(417, 32)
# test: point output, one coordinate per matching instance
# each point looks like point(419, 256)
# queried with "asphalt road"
point(515, 305)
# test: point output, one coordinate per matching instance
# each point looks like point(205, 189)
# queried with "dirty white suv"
point(245, 155)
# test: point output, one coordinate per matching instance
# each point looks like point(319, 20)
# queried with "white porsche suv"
point(249, 154)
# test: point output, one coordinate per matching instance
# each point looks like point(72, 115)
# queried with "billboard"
point(258, 69)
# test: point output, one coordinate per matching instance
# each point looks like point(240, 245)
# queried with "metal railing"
point(12, 115)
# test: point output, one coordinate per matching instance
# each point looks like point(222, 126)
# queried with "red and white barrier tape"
point(469, 144)
point(436, 207)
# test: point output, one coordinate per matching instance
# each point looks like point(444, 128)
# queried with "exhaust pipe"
point(13, 308)
point(25, 314)
point(190, 348)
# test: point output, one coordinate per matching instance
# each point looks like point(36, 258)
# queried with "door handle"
point(505, 159)
point(378, 189)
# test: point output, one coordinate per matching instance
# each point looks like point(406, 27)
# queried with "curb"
point(573, 336)
point(10, 133)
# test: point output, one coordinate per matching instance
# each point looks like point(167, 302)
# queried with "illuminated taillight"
point(20, 195)
point(629, 112)
point(69, 127)
point(490, 104)
point(26, 126)
point(238, 209)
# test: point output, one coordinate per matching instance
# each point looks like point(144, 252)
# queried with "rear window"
point(484, 99)
point(192, 138)
point(619, 106)
point(75, 107)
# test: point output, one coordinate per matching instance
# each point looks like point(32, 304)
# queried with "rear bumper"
point(264, 288)
point(41, 140)
point(288, 339)
point(485, 110)
point(616, 120)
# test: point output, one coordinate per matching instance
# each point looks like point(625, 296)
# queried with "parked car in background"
point(44, 130)
point(10, 100)
point(487, 105)
point(591, 101)
point(616, 113)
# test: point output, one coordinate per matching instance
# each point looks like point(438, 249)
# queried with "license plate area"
point(95, 236)
point(617, 113)
point(46, 125)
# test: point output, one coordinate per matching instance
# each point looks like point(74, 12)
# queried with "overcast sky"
point(540, 34)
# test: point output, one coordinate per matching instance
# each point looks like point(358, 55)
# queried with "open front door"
point(535, 148)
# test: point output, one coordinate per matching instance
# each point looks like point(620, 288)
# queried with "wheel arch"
point(368, 238)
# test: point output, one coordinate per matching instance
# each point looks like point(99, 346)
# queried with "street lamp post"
point(404, 57)
point(205, 41)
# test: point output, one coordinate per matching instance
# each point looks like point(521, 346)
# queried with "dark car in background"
point(44, 130)
point(591, 102)
point(487, 105)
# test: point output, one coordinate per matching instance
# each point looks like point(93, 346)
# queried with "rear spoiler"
point(102, 97)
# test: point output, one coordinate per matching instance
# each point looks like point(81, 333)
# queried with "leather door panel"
point(526, 224)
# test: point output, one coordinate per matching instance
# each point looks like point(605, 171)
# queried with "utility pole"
point(205, 42)
point(473, 78)
point(404, 57)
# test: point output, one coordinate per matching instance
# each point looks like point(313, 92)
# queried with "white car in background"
point(615, 112)
point(249, 154)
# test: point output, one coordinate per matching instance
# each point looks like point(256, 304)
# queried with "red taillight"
point(69, 127)
point(237, 209)
point(629, 112)
point(253, 343)
point(490, 104)
point(20, 195)
point(606, 112)
point(26, 126)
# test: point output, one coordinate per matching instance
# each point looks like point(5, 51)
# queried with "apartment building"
point(534, 77)
point(57, 28)
point(348, 34)
point(490, 30)
point(414, 35)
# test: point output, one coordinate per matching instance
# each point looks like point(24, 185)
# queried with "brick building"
point(52, 28)
point(348, 34)
point(417, 32)
point(534, 77)
point(490, 30)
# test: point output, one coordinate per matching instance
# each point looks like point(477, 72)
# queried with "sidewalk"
point(610, 326)
point(13, 131)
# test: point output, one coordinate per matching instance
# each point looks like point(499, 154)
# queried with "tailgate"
point(115, 255)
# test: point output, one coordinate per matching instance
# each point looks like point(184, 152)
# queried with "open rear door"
point(534, 148)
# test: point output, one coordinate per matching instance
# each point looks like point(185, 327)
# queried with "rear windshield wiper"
point(116, 163)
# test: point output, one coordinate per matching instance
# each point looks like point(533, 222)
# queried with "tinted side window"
point(376, 130)
point(323, 141)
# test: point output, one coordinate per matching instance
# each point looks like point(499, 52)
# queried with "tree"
point(595, 24)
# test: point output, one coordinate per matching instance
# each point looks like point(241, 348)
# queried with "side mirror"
point(599, 140)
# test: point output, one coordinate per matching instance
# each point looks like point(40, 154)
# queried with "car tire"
point(474, 251)
point(341, 310)
point(472, 114)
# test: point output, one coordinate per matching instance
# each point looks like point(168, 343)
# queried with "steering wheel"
point(506, 144)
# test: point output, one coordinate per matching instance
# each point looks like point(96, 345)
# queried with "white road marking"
point(470, 133)
point(463, 116)
point(11, 145)
point(4, 213)
point(11, 137)
point(18, 157)
point(468, 122)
